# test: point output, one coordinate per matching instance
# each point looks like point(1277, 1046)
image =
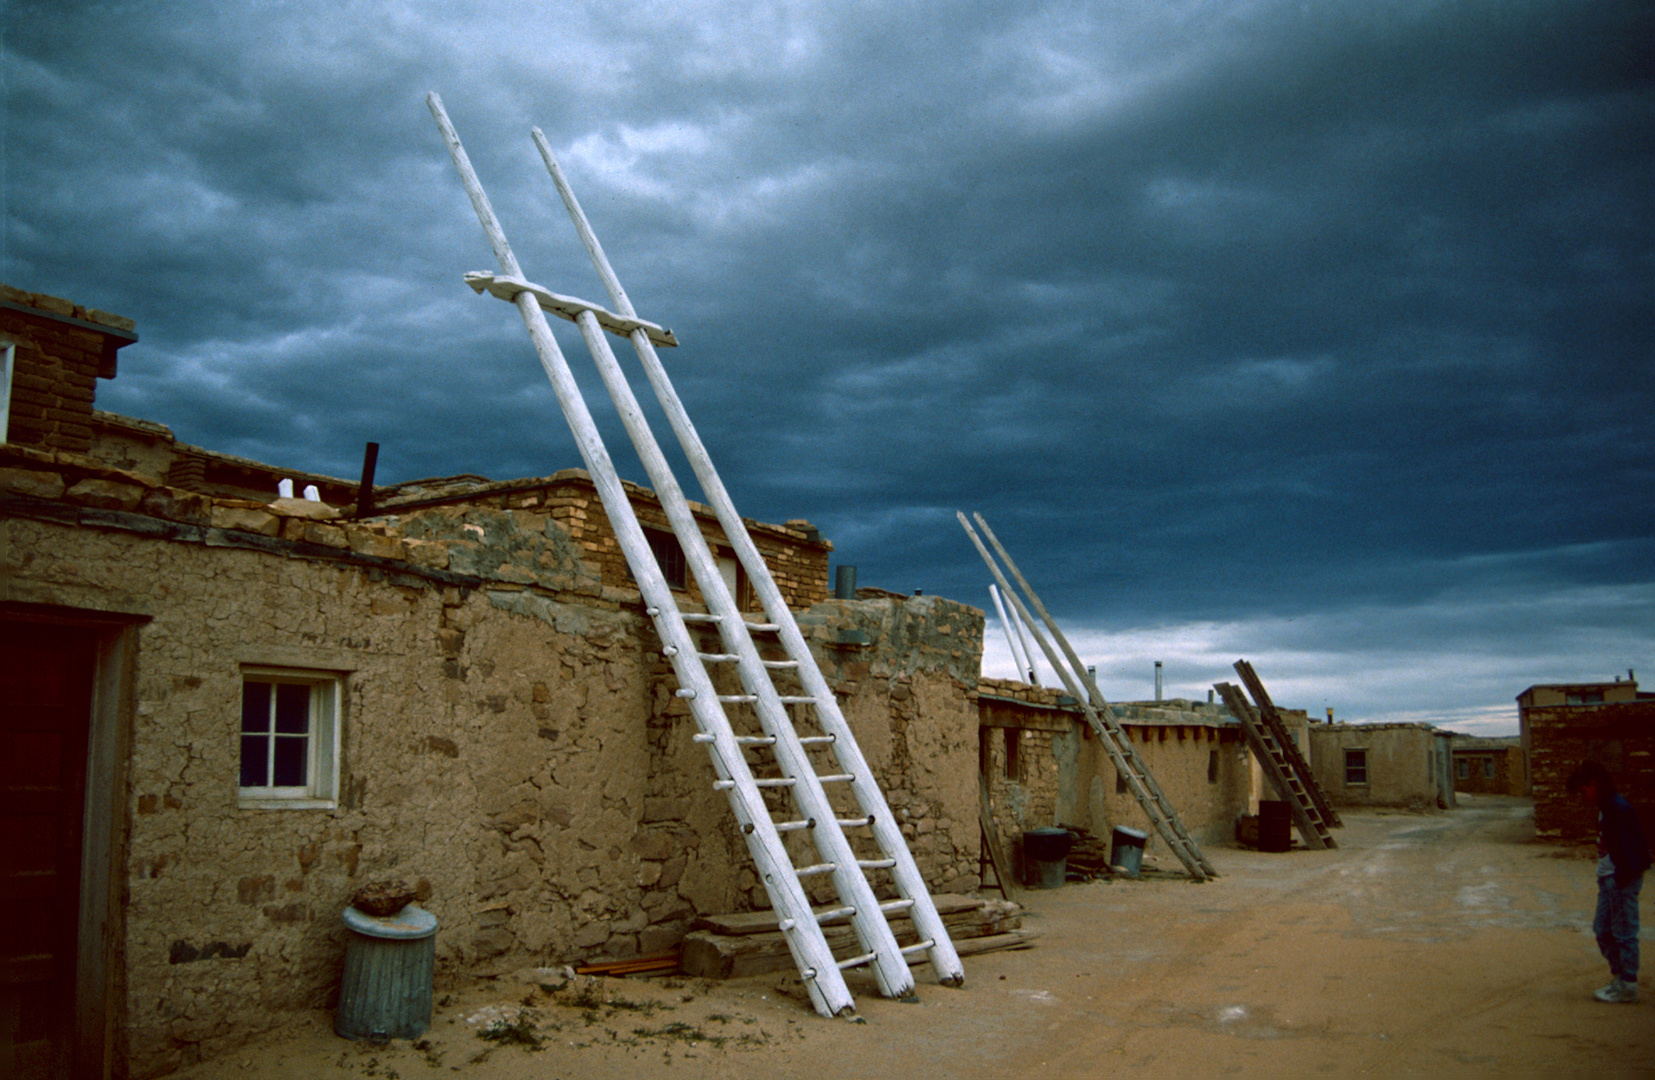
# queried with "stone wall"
point(510, 742)
point(1620, 736)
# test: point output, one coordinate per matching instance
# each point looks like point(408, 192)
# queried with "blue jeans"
point(1616, 927)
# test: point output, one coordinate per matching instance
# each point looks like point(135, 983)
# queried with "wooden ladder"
point(795, 772)
point(1271, 751)
point(1099, 714)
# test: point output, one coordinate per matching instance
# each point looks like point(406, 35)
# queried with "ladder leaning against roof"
point(1099, 714)
point(762, 707)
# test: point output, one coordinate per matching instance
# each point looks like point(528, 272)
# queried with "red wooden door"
point(45, 715)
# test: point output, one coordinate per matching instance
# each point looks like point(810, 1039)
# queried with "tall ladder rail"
point(1267, 748)
point(822, 978)
point(875, 813)
point(1271, 716)
point(1157, 807)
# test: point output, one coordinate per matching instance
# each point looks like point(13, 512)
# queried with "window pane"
point(255, 706)
point(254, 768)
point(292, 709)
point(290, 761)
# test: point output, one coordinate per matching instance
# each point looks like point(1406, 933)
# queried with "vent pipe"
point(844, 583)
point(1157, 680)
point(365, 492)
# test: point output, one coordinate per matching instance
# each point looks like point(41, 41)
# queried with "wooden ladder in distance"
point(1099, 715)
point(1271, 716)
point(797, 771)
point(1268, 749)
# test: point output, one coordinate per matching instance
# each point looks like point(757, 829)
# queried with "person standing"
point(1623, 856)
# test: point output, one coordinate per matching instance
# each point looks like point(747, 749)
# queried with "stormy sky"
point(1317, 334)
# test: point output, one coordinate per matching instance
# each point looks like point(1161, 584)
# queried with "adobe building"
point(1563, 724)
point(1043, 766)
point(1402, 764)
point(239, 708)
point(1489, 766)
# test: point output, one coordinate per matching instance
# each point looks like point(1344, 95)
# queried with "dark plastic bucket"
point(386, 992)
point(1046, 856)
point(1126, 849)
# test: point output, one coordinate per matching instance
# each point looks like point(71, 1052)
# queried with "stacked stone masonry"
point(510, 742)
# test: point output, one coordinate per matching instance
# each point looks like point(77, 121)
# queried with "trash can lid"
point(411, 922)
point(1122, 830)
point(1046, 830)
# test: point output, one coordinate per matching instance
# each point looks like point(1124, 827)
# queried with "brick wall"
point(61, 350)
point(1619, 736)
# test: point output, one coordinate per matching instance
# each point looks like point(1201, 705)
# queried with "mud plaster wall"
point(1065, 777)
point(1399, 764)
point(1619, 736)
point(513, 746)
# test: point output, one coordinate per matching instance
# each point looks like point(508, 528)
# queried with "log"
point(762, 922)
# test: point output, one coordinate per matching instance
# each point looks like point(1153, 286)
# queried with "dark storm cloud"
point(1256, 317)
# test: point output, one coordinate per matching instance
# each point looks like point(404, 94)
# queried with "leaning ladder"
point(1271, 716)
point(1099, 714)
point(760, 704)
point(1271, 758)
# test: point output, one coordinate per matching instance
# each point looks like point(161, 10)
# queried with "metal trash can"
point(1046, 856)
point(1126, 849)
point(386, 992)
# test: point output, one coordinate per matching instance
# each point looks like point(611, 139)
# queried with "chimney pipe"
point(365, 493)
point(844, 583)
point(1157, 680)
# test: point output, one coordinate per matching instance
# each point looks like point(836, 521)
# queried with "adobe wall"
point(511, 742)
point(1063, 776)
point(1510, 777)
point(1399, 764)
point(1619, 736)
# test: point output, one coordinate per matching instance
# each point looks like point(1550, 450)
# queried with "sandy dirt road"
point(1445, 943)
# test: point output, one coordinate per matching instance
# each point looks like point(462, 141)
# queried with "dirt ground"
point(1426, 943)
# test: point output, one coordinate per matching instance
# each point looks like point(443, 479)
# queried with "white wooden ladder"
point(1099, 714)
point(796, 772)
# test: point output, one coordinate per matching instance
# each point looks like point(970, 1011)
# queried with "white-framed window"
point(8, 354)
point(290, 738)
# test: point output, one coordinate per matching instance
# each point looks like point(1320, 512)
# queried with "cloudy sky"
point(1319, 334)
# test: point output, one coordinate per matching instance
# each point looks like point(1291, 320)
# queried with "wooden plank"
point(761, 922)
point(991, 839)
point(718, 956)
point(1272, 719)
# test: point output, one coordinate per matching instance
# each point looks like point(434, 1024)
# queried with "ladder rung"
point(695, 617)
point(704, 737)
point(920, 946)
point(837, 778)
point(818, 868)
point(782, 781)
point(855, 822)
point(857, 961)
point(763, 627)
point(781, 663)
point(801, 699)
point(835, 913)
point(817, 740)
point(737, 699)
point(755, 740)
point(896, 905)
point(718, 657)
point(795, 826)
point(876, 864)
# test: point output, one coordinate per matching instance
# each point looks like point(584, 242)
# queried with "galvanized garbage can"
point(386, 992)
point(1126, 849)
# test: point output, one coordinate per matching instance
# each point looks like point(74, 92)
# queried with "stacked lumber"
point(748, 943)
point(1088, 855)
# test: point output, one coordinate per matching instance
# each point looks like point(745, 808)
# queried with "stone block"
point(39, 485)
point(174, 504)
point(246, 519)
point(105, 494)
